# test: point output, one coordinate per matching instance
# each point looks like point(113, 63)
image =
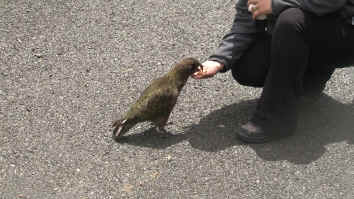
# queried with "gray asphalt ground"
point(69, 68)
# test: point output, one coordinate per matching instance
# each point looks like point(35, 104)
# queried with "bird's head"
point(183, 70)
point(189, 65)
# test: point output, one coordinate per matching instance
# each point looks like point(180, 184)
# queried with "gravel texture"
point(69, 68)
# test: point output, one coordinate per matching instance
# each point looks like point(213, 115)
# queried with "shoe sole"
point(253, 140)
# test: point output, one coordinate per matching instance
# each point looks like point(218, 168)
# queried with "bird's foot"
point(162, 132)
point(118, 138)
point(119, 129)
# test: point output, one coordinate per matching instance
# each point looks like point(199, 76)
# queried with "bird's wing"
point(159, 97)
point(160, 82)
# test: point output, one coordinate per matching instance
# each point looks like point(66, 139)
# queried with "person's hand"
point(209, 69)
point(261, 7)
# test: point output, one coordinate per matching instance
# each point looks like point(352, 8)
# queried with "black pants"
point(297, 59)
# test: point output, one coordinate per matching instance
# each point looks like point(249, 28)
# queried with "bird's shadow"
point(325, 122)
point(152, 139)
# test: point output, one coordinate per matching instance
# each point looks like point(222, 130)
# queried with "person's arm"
point(318, 7)
point(322, 7)
point(240, 37)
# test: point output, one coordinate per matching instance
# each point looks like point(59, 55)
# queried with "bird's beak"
point(200, 68)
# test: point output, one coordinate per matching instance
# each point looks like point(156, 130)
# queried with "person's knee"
point(248, 77)
point(291, 19)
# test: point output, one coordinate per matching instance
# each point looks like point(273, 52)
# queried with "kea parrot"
point(157, 101)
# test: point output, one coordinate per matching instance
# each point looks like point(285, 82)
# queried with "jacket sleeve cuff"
point(221, 61)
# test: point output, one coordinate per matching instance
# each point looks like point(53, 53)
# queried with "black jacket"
point(244, 29)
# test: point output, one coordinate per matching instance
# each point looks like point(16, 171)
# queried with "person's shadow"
point(327, 121)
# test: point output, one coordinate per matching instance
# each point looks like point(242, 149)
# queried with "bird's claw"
point(162, 132)
point(118, 138)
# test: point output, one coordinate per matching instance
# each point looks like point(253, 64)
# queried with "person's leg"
point(315, 79)
point(327, 52)
point(297, 40)
point(252, 67)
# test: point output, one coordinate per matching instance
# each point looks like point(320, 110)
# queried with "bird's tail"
point(120, 128)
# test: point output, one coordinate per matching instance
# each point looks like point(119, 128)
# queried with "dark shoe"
point(310, 98)
point(252, 133)
point(314, 85)
point(262, 130)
